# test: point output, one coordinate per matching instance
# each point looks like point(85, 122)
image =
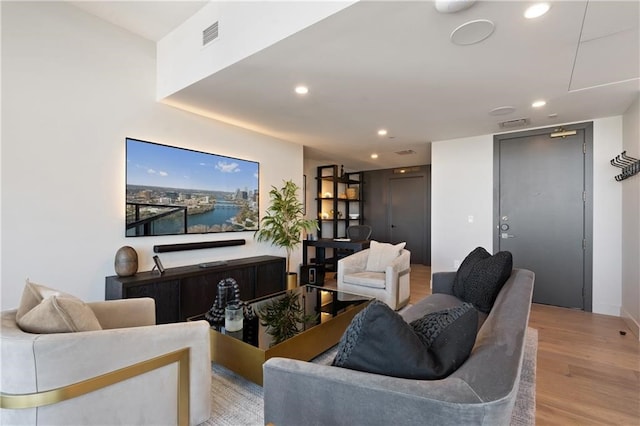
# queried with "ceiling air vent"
point(210, 33)
point(406, 152)
point(514, 123)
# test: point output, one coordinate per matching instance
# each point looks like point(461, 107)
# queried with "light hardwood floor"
point(588, 373)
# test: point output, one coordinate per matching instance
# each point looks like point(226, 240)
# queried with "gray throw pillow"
point(379, 341)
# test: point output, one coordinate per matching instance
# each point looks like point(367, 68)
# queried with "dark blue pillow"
point(379, 341)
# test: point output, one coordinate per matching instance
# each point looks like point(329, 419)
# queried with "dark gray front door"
point(541, 211)
point(407, 214)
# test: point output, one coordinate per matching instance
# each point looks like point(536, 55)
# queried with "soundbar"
point(196, 246)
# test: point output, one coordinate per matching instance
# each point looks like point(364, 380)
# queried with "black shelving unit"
point(336, 200)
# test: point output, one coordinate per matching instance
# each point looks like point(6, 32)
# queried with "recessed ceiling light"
point(302, 90)
point(538, 104)
point(382, 132)
point(536, 10)
point(374, 156)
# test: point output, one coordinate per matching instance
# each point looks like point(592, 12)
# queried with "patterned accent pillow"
point(350, 337)
point(430, 326)
point(465, 269)
point(481, 277)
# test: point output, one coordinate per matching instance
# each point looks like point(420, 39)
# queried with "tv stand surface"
point(187, 291)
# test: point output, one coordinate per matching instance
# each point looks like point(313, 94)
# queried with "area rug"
point(236, 401)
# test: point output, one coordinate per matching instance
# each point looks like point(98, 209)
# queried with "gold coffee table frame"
point(246, 359)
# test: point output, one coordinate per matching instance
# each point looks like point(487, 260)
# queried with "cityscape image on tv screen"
point(174, 190)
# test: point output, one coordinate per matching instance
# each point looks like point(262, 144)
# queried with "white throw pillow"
point(382, 254)
point(45, 310)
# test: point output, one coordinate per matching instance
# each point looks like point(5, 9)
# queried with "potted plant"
point(284, 222)
point(284, 317)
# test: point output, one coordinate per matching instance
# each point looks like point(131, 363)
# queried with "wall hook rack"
point(630, 166)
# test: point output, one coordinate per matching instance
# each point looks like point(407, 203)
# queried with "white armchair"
point(130, 372)
point(391, 286)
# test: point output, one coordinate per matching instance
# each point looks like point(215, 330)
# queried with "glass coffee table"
point(304, 322)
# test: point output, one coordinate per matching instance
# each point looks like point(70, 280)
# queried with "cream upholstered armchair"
point(381, 271)
point(129, 372)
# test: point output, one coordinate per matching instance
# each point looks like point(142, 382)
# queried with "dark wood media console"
point(187, 291)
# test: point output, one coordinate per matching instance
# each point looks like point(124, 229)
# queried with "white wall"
point(245, 27)
point(462, 185)
point(607, 217)
point(74, 87)
point(631, 223)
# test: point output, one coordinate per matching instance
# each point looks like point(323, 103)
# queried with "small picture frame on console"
point(158, 266)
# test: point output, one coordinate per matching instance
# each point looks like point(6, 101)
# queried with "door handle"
point(393, 226)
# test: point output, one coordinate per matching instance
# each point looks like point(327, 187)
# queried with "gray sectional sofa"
point(481, 392)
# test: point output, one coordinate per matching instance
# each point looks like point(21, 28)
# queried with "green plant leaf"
point(284, 220)
point(284, 317)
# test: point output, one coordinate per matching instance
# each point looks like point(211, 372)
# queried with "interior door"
point(407, 214)
point(541, 211)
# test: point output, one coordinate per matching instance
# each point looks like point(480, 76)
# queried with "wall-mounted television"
point(173, 191)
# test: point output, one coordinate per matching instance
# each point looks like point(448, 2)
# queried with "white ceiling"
point(390, 64)
point(150, 19)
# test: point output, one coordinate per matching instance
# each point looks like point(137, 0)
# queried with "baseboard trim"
point(631, 322)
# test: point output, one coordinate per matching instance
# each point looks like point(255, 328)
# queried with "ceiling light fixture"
point(503, 110)
point(472, 32)
point(538, 104)
point(374, 156)
point(536, 10)
point(302, 90)
point(453, 6)
point(382, 132)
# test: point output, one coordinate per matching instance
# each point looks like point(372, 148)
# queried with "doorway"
point(407, 214)
point(543, 210)
point(398, 208)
